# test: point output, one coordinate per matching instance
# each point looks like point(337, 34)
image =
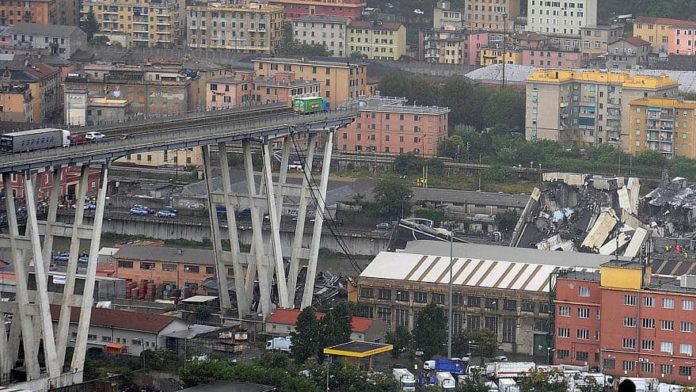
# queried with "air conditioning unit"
point(688, 281)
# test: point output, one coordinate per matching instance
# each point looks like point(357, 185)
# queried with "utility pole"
point(449, 319)
point(504, 48)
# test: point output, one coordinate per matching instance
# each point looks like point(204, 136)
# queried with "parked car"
point(383, 226)
point(169, 208)
point(90, 205)
point(61, 256)
point(144, 208)
point(94, 136)
point(138, 212)
point(84, 258)
point(165, 214)
point(77, 139)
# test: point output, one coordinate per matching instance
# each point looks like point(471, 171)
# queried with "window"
point(687, 326)
point(630, 300)
point(583, 313)
point(628, 366)
point(666, 369)
point(91, 337)
point(457, 299)
point(562, 354)
point(666, 347)
point(491, 323)
point(438, 298)
point(647, 367)
point(647, 345)
point(402, 296)
point(420, 297)
point(544, 307)
point(564, 332)
point(528, 306)
point(473, 301)
point(649, 301)
point(510, 304)
point(667, 325)
point(384, 294)
point(147, 266)
point(541, 325)
point(668, 303)
point(584, 291)
point(106, 339)
point(210, 270)
point(609, 363)
point(629, 322)
point(685, 371)
point(564, 311)
point(685, 349)
point(649, 323)
point(509, 329)
point(491, 303)
point(473, 322)
point(125, 264)
point(583, 334)
point(167, 267)
point(384, 314)
point(629, 343)
point(191, 268)
point(581, 355)
point(367, 292)
point(687, 304)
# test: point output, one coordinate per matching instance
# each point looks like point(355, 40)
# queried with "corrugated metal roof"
point(466, 271)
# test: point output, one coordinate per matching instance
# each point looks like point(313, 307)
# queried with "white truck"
point(406, 380)
point(507, 385)
point(498, 370)
point(280, 344)
point(445, 381)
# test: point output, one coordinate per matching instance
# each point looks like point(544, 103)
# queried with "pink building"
point(682, 38)
point(351, 9)
point(224, 92)
point(284, 87)
point(551, 58)
point(477, 41)
point(389, 126)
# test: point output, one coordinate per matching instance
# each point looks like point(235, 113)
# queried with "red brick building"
point(390, 126)
point(626, 322)
point(298, 8)
point(70, 176)
point(283, 322)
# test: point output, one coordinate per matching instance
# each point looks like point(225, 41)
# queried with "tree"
point(507, 221)
point(589, 384)
point(473, 383)
point(336, 325)
point(407, 163)
point(400, 338)
point(484, 342)
point(100, 40)
point(90, 25)
point(463, 100)
point(307, 339)
point(430, 331)
point(504, 109)
point(540, 381)
point(393, 198)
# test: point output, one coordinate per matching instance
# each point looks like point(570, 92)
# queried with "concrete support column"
point(275, 229)
point(318, 222)
point(243, 301)
point(52, 212)
point(41, 276)
point(78, 360)
point(301, 216)
point(220, 270)
point(62, 337)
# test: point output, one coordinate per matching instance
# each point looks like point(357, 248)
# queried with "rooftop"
point(321, 19)
point(165, 254)
point(374, 25)
point(45, 29)
point(322, 62)
point(636, 41)
point(664, 21)
point(108, 102)
point(396, 105)
point(665, 102)
point(358, 349)
point(289, 317)
point(627, 80)
point(473, 197)
point(256, 7)
point(119, 319)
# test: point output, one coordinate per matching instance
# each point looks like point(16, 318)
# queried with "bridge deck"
point(185, 137)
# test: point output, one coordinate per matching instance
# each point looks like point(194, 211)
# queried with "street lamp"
point(549, 350)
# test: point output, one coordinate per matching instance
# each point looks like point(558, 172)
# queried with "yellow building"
point(377, 40)
point(491, 56)
point(498, 15)
point(655, 31)
point(143, 23)
point(245, 28)
point(341, 80)
point(664, 125)
point(16, 103)
point(587, 107)
point(176, 158)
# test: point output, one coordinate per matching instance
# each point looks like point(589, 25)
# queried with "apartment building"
point(351, 9)
point(330, 31)
point(682, 38)
point(551, 58)
point(491, 15)
point(563, 18)
point(453, 46)
point(656, 31)
point(69, 12)
point(376, 39)
point(596, 39)
point(589, 107)
point(244, 28)
point(627, 54)
point(496, 55)
point(626, 322)
point(81, 109)
point(43, 82)
point(283, 87)
point(31, 11)
point(341, 81)
point(388, 125)
point(495, 288)
point(55, 40)
point(446, 18)
point(141, 23)
point(16, 102)
point(664, 125)
point(223, 92)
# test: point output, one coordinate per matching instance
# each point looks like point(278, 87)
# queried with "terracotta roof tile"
point(664, 21)
point(289, 317)
point(636, 41)
point(119, 319)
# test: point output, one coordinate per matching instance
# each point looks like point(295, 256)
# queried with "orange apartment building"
point(29, 11)
point(388, 125)
point(184, 268)
point(233, 90)
point(16, 102)
point(341, 80)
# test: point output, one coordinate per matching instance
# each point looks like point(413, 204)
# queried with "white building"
point(329, 31)
point(57, 40)
point(564, 18)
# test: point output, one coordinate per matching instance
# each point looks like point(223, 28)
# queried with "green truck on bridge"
point(310, 105)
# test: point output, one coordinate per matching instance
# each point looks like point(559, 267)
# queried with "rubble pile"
point(582, 212)
point(671, 208)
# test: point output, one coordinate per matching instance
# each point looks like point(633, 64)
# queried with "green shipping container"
point(308, 105)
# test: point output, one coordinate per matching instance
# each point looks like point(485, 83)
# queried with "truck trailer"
point(35, 139)
point(446, 381)
point(309, 105)
point(498, 370)
point(280, 344)
point(406, 380)
point(446, 365)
